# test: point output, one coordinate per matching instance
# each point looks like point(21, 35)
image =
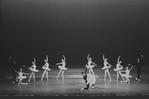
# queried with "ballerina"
point(118, 68)
point(106, 67)
point(90, 65)
point(33, 69)
point(127, 74)
point(62, 67)
point(21, 77)
point(46, 68)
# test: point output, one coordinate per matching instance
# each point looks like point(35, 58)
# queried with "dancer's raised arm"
point(103, 57)
point(15, 70)
point(118, 59)
point(88, 56)
point(58, 63)
point(109, 64)
point(93, 63)
point(47, 57)
point(64, 58)
point(131, 68)
point(26, 73)
point(34, 60)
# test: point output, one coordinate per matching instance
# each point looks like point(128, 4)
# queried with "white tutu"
point(127, 76)
point(22, 77)
point(89, 67)
point(118, 69)
point(106, 67)
point(34, 70)
point(45, 68)
point(62, 68)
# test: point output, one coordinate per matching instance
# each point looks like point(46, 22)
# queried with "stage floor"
point(70, 86)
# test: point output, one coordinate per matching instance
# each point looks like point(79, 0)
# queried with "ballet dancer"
point(138, 64)
point(21, 77)
point(33, 69)
point(90, 65)
point(106, 67)
point(127, 75)
point(90, 80)
point(62, 67)
point(13, 64)
point(118, 68)
point(46, 68)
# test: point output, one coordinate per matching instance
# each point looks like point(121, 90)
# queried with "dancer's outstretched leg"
point(121, 75)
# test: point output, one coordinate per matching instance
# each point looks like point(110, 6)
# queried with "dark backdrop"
point(74, 28)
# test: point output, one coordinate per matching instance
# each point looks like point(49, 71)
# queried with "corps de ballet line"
point(88, 74)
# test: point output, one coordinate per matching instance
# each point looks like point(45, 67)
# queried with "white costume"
point(118, 68)
point(20, 77)
point(106, 67)
point(90, 65)
point(126, 75)
point(46, 69)
point(33, 69)
point(62, 67)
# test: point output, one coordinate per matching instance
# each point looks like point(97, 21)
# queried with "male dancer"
point(138, 64)
point(13, 64)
